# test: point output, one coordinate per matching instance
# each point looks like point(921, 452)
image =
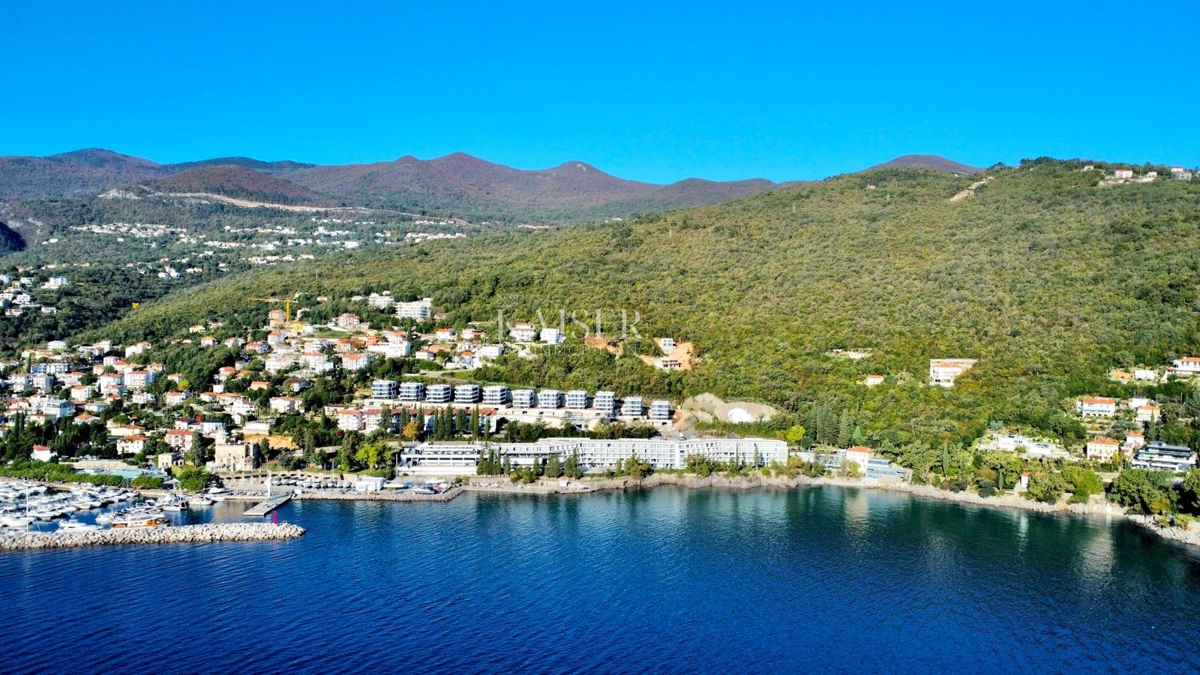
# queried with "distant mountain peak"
point(934, 162)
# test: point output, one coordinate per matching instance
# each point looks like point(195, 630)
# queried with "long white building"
point(595, 454)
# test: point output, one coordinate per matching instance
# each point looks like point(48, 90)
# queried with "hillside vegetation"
point(1044, 276)
point(238, 182)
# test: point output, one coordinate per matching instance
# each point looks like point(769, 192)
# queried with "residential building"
point(524, 398)
point(1133, 442)
point(439, 393)
point(355, 362)
point(444, 335)
point(467, 393)
point(860, 456)
point(660, 410)
point(1160, 456)
point(412, 391)
point(1097, 406)
point(1187, 366)
point(348, 321)
point(236, 456)
point(605, 402)
point(350, 419)
point(179, 440)
point(1148, 413)
point(420, 310)
point(1145, 374)
point(1123, 174)
point(43, 453)
point(598, 455)
point(495, 395)
point(577, 399)
point(132, 445)
point(166, 460)
point(490, 351)
point(945, 372)
point(550, 399)
point(873, 380)
point(1102, 449)
point(522, 332)
point(631, 406)
point(285, 405)
point(666, 344)
point(552, 336)
point(384, 389)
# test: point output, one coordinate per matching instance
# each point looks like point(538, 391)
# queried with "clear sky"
point(648, 90)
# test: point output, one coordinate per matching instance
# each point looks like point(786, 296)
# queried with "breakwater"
point(406, 496)
point(185, 534)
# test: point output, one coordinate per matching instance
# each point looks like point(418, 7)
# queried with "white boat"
point(140, 518)
point(16, 522)
point(75, 526)
point(200, 501)
point(175, 507)
point(105, 518)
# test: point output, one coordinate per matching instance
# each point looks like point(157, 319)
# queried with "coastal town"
point(344, 407)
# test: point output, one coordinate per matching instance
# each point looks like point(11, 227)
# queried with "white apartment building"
point(552, 336)
point(660, 410)
point(1160, 456)
point(419, 310)
point(577, 399)
point(384, 389)
point(524, 398)
point(631, 406)
point(944, 372)
point(439, 393)
point(596, 455)
point(550, 399)
point(412, 391)
point(495, 395)
point(606, 402)
point(467, 393)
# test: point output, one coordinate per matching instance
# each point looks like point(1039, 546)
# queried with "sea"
point(663, 580)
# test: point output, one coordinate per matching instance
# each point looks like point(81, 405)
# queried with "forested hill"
point(456, 185)
point(1043, 275)
point(238, 182)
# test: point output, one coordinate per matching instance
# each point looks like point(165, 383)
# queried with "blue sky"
point(655, 91)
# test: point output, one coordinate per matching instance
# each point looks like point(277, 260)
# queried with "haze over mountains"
point(454, 185)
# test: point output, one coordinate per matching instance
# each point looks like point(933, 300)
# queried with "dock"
point(265, 508)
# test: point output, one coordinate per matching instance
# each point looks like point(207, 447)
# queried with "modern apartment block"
point(412, 391)
point(550, 399)
point(384, 389)
point(606, 402)
point(577, 399)
point(420, 310)
point(467, 393)
point(524, 398)
point(595, 455)
point(660, 411)
point(631, 406)
point(496, 395)
point(439, 393)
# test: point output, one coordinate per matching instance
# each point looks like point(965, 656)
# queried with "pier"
point(266, 507)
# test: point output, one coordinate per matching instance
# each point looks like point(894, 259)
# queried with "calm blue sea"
point(664, 581)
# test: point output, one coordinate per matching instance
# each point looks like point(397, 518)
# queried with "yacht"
point(132, 519)
point(199, 500)
point(75, 526)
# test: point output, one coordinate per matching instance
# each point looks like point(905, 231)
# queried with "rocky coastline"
point(184, 534)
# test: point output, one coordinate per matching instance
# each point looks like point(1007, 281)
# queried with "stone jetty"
point(185, 534)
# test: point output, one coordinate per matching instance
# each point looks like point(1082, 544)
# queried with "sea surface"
point(667, 580)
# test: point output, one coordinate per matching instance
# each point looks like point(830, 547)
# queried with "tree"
point(795, 434)
point(411, 430)
point(1142, 491)
point(553, 466)
point(572, 468)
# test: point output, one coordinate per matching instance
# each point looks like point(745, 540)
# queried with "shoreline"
point(179, 534)
point(1097, 507)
